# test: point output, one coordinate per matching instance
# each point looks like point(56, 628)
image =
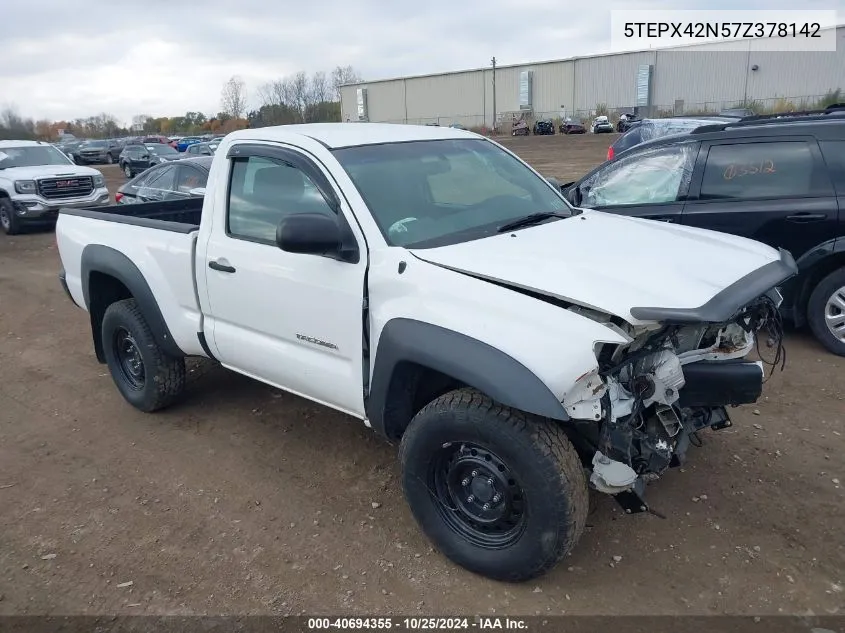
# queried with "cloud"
point(166, 57)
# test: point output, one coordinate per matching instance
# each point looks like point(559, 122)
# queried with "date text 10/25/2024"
point(417, 623)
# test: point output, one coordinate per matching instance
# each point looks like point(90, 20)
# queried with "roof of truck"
point(21, 143)
point(337, 135)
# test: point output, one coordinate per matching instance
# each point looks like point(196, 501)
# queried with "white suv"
point(36, 179)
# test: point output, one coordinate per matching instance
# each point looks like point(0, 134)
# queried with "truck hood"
point(617, 264)
point(46, 171)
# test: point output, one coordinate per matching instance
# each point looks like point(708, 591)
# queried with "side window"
point(263, 191)
point(192, 149)
point(834, 156)
point(164, 180)
point(758, 170)
point(190, 178)
point(655, 176)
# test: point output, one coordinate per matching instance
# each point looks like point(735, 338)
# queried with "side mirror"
point(197, 191)
point(573, 194)
point(315, 234)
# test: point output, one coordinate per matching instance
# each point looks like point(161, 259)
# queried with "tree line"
point(298, 98)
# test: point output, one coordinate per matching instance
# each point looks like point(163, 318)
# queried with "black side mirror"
point(316, 234)
point(573, 194)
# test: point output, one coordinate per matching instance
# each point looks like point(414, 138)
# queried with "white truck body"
point(519, 315)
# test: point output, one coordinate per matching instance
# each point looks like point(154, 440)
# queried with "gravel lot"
point(244, 499)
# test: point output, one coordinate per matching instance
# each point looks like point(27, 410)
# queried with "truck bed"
point(181, 216)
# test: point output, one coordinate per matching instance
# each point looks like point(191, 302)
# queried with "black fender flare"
point(463, 358)
point(97, 258)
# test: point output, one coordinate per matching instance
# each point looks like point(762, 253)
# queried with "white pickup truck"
point(428, 282)
point(36, 179)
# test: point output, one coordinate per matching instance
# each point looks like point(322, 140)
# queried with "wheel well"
point(818, 272)
point(412, 386)
point(103, 290)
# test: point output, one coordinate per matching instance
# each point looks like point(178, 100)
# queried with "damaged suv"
point(430, 283)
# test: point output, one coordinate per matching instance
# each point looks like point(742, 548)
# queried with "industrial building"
point(687, 79)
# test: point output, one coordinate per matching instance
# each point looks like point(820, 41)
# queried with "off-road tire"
point(164, 375)
point(8, 221)
point(816, 310)
point(537, 454)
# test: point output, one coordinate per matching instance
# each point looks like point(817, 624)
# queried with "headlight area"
point(645, 401)
point(99, 181)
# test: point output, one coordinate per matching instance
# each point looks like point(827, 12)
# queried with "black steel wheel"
point(129, 357)
point(480, 499)
point(498, 491)
point(146, 376)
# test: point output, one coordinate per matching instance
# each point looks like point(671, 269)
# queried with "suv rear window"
point(758, 170)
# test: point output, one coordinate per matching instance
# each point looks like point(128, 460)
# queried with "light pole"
point(495, 118)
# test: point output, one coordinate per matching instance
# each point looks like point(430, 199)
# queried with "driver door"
point(650, 184)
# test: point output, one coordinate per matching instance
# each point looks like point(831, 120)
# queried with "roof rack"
point(836, 110)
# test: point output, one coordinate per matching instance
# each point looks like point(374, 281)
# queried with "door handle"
point(663, 218)
point(223, 268)
point(806, 217)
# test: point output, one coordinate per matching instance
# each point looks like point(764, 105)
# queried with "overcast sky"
point(63, 60)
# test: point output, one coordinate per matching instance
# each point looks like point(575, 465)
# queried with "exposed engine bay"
point(648, 399)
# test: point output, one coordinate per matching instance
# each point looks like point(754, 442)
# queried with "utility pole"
point(495, 118)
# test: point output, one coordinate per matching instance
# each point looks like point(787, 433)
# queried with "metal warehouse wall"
point(702, 76)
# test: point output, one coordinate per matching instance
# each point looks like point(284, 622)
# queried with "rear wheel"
point(146, 376)
point(500, 492)
point(826, 312)
point(8, 221)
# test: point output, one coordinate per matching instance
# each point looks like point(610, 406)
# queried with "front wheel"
point(826, 311)
point(499, 492)
point(109, 159)
point(8, 221)
point(146, 376)
point(127, 171)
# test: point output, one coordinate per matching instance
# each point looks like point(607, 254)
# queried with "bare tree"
point(233, 97)
point(320, 90)
point(343, 75)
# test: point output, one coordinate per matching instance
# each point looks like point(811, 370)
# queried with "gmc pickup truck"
point(36, 179)
point(430, 283)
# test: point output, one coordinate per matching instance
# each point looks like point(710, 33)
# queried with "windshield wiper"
point(531, 219)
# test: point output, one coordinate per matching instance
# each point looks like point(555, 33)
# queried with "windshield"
point(160, 148)
point(32, 156)
point(87, 144)
point(433, 193)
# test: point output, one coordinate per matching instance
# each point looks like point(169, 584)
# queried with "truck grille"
point(76, 187)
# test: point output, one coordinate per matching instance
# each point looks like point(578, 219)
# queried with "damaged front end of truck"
point(680, 370)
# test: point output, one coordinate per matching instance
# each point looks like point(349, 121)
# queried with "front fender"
point(467, 360)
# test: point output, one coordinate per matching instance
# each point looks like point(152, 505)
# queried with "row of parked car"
point(109, 151)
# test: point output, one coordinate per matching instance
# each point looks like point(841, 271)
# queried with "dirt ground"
point(244, 499)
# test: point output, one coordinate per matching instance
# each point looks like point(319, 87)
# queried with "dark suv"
point(778, 180)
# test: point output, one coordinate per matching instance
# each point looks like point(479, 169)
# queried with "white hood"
point(609, 262)
point(46, 171)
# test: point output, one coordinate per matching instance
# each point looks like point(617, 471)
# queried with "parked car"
point(202, 149)
point(36, 179)
point(147, 140)
point(572, 127)
point(648, 129)
point(173, 180)
point(601, 125)
point(96, 152)
point(458, 126)
point(501, 421)
point(183, 143)
point(520, 128)
point(737, 112)
point(544, 126)
point(69, 148)
point(626, 122)
point(780, 181)
point(136, 158)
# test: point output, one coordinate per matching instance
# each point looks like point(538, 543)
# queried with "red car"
point(159, 139)
point(572, 127)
